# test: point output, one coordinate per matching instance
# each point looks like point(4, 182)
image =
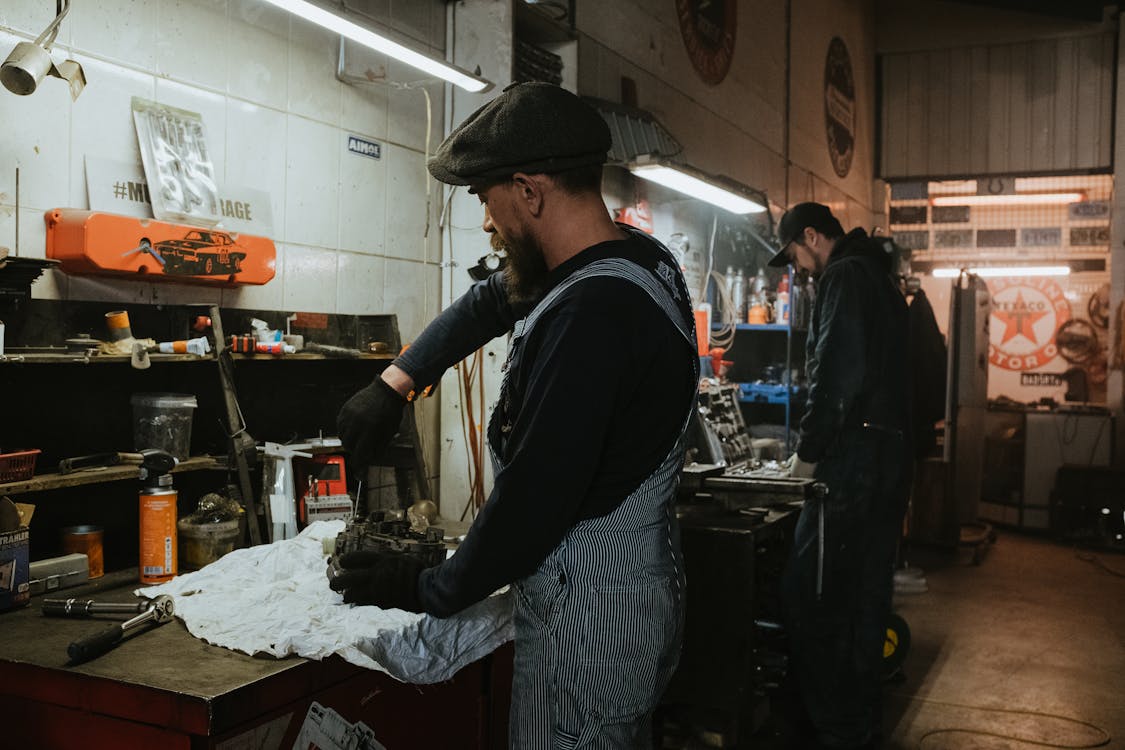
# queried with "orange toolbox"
point(94, 242)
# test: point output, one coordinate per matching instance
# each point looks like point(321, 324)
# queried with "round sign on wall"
point(1026, 312)
point(707, 27)
point(839, 106)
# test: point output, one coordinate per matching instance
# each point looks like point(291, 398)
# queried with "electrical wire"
point(426, 160)
point(1106, 736)
point(470, 373)
point(471, 430)
point(710, 254)
point(418, 86)
point(1097, 561)
point(724, 337)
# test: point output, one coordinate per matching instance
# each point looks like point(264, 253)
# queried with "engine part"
point(376, 533)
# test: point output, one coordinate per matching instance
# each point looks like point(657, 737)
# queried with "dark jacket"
point(856, 358)
point(927, 370)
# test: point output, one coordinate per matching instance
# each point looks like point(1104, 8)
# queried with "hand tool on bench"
point(158, 611)
point(97, 460)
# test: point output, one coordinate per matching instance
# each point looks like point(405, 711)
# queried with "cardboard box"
point(14, 569)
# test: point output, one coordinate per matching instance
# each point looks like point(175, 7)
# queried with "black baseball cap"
point(793, 223)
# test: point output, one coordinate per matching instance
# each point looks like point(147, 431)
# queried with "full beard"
point(525, 274)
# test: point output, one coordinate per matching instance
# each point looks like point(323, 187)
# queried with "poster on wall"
point(839, 106)
point(708, 28)
point(1042, 346)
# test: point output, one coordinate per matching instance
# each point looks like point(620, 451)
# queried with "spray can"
point(158, 530)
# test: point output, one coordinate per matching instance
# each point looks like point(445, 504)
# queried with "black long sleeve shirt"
point(598, 402)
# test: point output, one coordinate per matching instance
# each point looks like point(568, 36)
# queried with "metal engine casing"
point(377, 533)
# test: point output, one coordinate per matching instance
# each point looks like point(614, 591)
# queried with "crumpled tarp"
point(274, 599)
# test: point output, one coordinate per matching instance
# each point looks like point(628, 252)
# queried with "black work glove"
point(386, 579)
point(367, 423)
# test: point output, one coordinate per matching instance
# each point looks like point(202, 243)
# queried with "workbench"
point(164, 688)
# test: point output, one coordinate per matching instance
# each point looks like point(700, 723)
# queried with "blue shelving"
point(769, 393)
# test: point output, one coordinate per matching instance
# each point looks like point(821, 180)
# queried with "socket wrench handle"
point(89, 607)
point(158, 611)
point(94, 645)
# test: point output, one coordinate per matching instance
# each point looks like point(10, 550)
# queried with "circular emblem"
point(708, 30)
point(1026, 312)
point(839, 106)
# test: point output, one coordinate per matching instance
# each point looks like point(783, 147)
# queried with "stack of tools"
point(247, 344)
point(537, 64)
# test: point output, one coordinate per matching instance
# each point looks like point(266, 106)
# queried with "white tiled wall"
point(277, 119)
point(348, 229)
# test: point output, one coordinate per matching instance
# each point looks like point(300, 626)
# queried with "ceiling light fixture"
point(696, 184)
point(1007, 199)
point(30, 62)
point(986, 271)
point(380, 43)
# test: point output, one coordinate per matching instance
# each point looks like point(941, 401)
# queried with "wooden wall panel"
point(1025, 108)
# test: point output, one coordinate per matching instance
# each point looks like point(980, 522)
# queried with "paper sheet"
point(274, 599)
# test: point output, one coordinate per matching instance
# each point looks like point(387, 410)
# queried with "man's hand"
point(386, 579)
point(367, 423)
point(799, 469)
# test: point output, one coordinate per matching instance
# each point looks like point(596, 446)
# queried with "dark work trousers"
point(837, 595)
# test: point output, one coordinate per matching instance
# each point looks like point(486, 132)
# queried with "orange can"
point(158, 534)
point(86, 540)
point(117, 322)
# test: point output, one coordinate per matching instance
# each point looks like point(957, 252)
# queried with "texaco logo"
point(1026, 312)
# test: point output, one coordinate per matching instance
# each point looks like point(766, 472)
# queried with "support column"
point(479, 33)
point(1115, 390)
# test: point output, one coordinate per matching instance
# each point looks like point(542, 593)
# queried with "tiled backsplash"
point(347, 227)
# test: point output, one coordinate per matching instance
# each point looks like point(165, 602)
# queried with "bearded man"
point(586, 437)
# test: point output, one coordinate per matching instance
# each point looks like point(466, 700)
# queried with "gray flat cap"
point(531, 127)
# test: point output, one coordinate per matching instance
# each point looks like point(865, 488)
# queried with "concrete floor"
point(1033, 628)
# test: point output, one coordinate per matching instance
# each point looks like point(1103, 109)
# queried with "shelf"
point(39, 358)
point(759, 327)
point(307, 356)
point(769, 393)
point(82, 359)
point(42, 482)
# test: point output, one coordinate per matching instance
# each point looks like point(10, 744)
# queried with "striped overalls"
point(599, 624)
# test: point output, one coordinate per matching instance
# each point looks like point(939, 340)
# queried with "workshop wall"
point(925, 29)
point(738, 127)
point(832, 130)
point(349, 229)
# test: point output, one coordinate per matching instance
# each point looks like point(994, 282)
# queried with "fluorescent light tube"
point(682, 182)
point(380, 43)
point(949, 273)
point(1011, 199)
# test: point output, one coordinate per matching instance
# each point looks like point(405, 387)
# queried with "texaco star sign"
point(1026, 312)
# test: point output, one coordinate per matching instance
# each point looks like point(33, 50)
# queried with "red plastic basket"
point(18, 465)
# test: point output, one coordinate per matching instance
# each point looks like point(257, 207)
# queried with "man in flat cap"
point(854, 437)
point(586, 437)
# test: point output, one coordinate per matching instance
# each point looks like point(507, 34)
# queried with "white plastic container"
point(163, 421)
